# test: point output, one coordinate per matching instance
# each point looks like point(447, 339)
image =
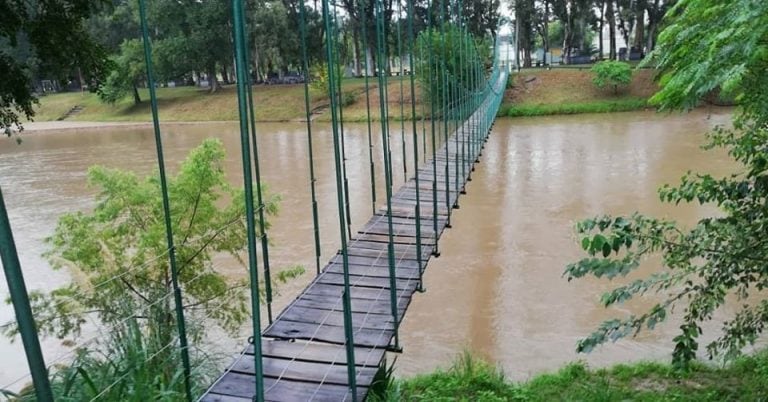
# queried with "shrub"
point(610, 73)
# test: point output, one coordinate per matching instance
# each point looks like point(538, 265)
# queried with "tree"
point(56, 44)
point(127, 74)
point(611, 73)
point(119, 255)
point(525, 12)
point(709, 45)
point(449, 45)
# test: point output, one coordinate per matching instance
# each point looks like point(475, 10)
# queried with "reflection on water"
point(497, 288)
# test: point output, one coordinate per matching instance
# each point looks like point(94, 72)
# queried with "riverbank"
point(539, 92)
point(532, 92)
point(273, 103)
point(746, 379)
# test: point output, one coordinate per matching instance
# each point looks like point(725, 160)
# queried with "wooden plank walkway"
point(304, 356)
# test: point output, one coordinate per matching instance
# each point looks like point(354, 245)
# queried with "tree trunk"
point(602, 27)
point(653, 22)
point(213, 83)
point(611, 29)
point(136, 98)
point(568, 32)
point(356, 51)
point(640, 26)
point(224, 75)
point(545, 37)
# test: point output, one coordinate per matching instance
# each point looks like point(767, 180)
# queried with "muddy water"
point(497, 289)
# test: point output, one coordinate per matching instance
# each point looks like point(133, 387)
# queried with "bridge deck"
point(303, 350)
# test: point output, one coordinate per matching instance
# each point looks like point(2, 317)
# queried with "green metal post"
point(245, 146)
point(364, 29)
point(415, 146)
point(402, 105)
point(180, 322)
point(312, 179)
point(337, 66)
point(20, 300)
point(432, 116)
point(346, 296)
point(257, 171)
point(380, 36)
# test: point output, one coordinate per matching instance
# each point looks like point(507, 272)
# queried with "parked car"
point(293, 78)
point(288, 78)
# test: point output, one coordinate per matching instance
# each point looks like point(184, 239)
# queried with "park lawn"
point(569, 91)
point(272, 103)
point(532, 92)
point(469, 379)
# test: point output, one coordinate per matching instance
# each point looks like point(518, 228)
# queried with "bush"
point(611, 73)
point(348, 99)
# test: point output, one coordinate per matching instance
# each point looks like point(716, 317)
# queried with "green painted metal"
point(412, 39)
point(340, 109)
point(179, 307)
point(346, 299)
point(312, 178)
point(432, 117)
point(242, 102)
point(20, 300)
point(382, 77)
point(259, 197)
point(364, 35)
point(402, 104)
point(444, 114)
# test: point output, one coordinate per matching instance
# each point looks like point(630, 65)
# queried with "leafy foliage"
point(458, 53)
point(471, 379)
point(130, 366)
point(119, 255)
point(43, 38)
point(709, 44)
point(319, 79)
point(128, 72)
point(611, 73)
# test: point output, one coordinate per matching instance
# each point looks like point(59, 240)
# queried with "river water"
point(497, 290)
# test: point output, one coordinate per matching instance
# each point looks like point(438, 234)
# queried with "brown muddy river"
point(497, 290)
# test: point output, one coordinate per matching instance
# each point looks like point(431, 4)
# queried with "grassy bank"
point(539, 92)
point(472, 380)
point(275, 103)
point(532, 93)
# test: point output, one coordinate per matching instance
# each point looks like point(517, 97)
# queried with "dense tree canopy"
point(43, 38)
point(710, 45)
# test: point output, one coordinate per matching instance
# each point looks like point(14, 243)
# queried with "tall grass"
point(601, 106)
point(471, 379)
point(130, 365)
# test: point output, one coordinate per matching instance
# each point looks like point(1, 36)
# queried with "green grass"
point(596, 106)
point(470, 379)
point(530, 93)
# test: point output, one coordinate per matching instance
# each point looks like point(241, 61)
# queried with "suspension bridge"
point(329, 343)
point(303, 351)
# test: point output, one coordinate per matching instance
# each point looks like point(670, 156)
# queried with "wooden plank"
point(322, 289)
point(398, 228)
point(381, 271)
point(405, 240)
point(316, 372)
point(328, 333)
point(381, 259)
point(401, 250)
point(310, 315)
point(317, 352)
point(211, 397)
point(243, 386)
point(358, 305)
point(374, 282)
